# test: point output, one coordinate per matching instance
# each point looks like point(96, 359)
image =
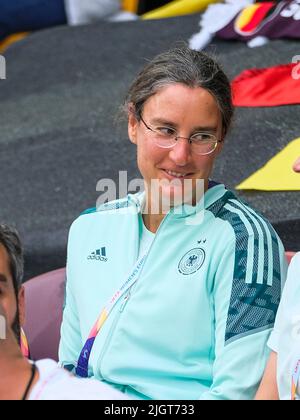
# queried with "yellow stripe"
point(10, 40)
point(246, 15)
point(24, 344)
point(294, 389)
point(179, 8)
point(102, 319)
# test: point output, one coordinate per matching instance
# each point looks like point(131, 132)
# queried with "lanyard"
point(24, 344)
point(83, 361)
point(295, 380)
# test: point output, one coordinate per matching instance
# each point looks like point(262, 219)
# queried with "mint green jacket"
point(196, 323)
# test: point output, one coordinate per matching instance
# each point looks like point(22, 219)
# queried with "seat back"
point(44, 297)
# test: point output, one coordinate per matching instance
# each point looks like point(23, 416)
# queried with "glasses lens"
point(204, 148)
point(164, 136)
point(203, 143)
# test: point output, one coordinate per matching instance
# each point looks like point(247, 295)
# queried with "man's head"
point(11, 275)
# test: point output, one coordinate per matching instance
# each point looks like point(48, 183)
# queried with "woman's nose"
point(181, 152)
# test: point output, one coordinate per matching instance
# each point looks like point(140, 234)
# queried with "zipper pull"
point(126, 298)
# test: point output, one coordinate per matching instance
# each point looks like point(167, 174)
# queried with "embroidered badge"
point(192, 261)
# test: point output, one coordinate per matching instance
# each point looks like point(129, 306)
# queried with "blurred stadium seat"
point(44, 297)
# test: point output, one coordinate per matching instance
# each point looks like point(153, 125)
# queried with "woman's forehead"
point(177, 101)
point(178, 92)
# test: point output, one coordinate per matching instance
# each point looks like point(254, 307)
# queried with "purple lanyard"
point(83, 361)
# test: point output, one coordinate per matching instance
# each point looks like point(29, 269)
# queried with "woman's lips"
point(176, 175)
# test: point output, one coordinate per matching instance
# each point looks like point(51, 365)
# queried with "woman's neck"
point(155, 211)
point(153, 221)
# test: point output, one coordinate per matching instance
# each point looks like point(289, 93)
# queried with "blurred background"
point(69, 64)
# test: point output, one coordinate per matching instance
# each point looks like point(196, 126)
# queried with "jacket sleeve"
point(245, 305)
point(71, 341)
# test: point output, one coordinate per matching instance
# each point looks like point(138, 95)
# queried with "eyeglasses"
point(166, 137)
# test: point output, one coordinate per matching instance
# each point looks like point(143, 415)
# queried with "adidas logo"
point(98, 255)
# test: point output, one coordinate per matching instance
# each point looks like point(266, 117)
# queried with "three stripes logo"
point(98, 255)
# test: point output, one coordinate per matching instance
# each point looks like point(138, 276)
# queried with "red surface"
point(258, 17)
point(271, 86)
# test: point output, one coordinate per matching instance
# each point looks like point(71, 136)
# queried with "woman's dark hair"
point(186, 66)
point(10, 239)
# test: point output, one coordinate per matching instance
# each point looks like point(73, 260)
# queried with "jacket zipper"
point(122, 307)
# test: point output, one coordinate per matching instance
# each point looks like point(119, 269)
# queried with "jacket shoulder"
point(105, 207)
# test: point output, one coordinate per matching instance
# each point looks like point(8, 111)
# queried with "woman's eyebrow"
point(161, 121)
point(208, 128)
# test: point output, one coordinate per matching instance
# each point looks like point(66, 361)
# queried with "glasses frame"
point(190, 140)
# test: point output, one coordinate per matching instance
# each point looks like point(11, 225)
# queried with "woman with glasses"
point(172, 293)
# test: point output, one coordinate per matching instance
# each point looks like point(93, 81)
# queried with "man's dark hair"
point(10, 239)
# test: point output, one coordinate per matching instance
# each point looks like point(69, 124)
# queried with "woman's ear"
point(132, 125)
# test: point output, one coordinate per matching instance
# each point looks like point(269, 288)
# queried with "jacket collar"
point(214, 193)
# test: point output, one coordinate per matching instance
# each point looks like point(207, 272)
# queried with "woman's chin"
point(176, 196)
